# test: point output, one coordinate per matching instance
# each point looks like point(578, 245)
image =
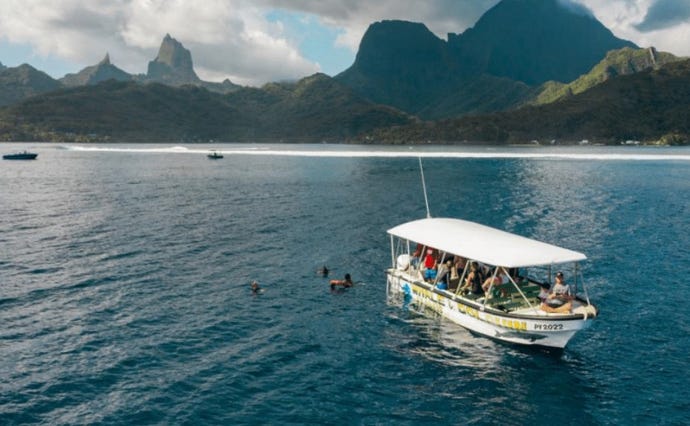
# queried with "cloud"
point(227, 38)
point(244, 41)
point(665, 14)
point(575, 7)
point(623, 18)
point(355, 16)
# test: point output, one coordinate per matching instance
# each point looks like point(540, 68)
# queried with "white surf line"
point(397, 154)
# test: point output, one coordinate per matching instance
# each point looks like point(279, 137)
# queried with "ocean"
point(125, 277)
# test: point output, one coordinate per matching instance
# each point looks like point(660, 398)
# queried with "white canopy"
point(483, 243)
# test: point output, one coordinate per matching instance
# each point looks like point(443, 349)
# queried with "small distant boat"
point(215, 155)
point(20, 156)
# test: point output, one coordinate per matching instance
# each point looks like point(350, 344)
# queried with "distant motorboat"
point(20, 156)
point(215, 155)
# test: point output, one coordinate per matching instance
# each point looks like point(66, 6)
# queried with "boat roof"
point(483, 243)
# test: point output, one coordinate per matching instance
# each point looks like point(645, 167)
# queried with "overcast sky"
point(252, 42)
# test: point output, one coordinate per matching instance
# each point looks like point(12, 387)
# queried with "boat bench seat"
point(529, 292)
point(495, 301)
point(511, 306)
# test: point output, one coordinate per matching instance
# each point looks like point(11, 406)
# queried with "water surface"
point(125, 270)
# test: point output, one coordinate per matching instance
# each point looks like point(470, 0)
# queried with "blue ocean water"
point(125, 299)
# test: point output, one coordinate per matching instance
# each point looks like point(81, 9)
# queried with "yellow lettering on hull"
point(437, 302)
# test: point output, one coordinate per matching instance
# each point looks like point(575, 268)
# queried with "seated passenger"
point(559, 299)
point(473, 282)
point(500, 278)
point(544, 291)
point(417, 255)
point(429, 265)
point(443, 275)
point(561, 290)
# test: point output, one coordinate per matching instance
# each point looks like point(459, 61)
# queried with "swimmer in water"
point(347, 282)
point(323, 271)
point(256, 289)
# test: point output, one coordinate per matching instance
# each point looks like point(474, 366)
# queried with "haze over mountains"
point(521, 52)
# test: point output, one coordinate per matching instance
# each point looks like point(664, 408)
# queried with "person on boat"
point(417, 255)
point(561, 290)
point(455, 270)
point(559, 299)
point(473, 282)
point(443, 275)
point(500, 278)
point(429, 265)
point(544, 291)
point(347, 282)
point(459, 263)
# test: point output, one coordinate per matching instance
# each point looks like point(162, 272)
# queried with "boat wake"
point(409, 152)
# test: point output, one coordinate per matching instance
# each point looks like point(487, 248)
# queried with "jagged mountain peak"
point(102, 71)
point(173, 65)
point(535, 41)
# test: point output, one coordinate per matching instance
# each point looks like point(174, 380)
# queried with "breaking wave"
point(333, 151)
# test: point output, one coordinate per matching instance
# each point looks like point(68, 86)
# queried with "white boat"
point(509, 312)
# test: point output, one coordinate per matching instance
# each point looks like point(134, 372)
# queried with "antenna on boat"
point(426, 200)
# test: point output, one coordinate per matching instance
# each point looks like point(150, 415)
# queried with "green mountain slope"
point(647, 106)
point(21, 82)
point(617, 62)
point(313, 109)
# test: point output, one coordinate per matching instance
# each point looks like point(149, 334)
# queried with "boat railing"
point(522, 293)
point(512, 281)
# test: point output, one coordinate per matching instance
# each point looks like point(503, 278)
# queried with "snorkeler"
point(347, 282)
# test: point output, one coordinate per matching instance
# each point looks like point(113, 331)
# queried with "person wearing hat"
point(561, 290)
point(559, 300)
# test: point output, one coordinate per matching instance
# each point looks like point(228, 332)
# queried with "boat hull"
point(536, 328)
point(23, 156)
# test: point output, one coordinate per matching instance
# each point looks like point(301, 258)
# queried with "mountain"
point(24, 81)
point(650, 105)
point(402, 64)
point(623, 61)
point(102, 71)
point(173, 65)
point(535, 41)
point(2, 67)
point(313, 109)
point(514, 47)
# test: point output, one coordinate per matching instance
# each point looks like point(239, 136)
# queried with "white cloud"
point(228, 39)
point(355, 16)
point(235, 39)
point(624, 19)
